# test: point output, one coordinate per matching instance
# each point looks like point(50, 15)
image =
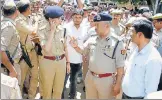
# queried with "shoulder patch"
point(123, 52)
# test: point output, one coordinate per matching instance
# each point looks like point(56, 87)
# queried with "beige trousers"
point(85, 66)
point(98, 88)
point(40, 82)
point(52, 75)
point(33, 72)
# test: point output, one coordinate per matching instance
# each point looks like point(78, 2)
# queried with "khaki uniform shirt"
point(160, 41)
point(118, 30)
point(58, 39)
point(101, 52)
point(10, 38)
point(155, 39)
point(25, 28)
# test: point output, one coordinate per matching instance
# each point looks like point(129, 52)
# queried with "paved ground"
point(80, 93)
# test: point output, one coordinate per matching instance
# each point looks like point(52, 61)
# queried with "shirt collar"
point(107, 37)
point(146, 48)
point(23, 17)
point(9, 19)
point(75, 27)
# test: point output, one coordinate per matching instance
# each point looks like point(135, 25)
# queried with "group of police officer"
point(34, 50)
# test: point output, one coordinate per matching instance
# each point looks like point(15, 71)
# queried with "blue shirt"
point(143, 72)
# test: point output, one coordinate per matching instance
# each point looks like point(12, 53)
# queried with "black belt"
point(124, 96)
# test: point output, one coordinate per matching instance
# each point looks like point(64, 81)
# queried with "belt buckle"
point(96, 75)
point(58, 58)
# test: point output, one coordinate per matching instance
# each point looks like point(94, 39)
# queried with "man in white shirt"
point(74, 30)
point(144, 65)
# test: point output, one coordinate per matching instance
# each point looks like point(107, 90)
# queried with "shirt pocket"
point(139, 70)
point(108, 51)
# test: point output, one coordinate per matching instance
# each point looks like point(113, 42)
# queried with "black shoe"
point(79, 80)
point(41, 97)
point(84, 89)
point(71, 97)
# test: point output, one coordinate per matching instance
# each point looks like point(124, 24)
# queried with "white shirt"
point(143, 71)
point(85, 21)
point(79, 34)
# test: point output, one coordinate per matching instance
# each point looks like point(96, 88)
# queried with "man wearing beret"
point(157, 21)
point(10, 49)
point(106, 61)
point(118, 28)
point(55, 57)
point(28, 39)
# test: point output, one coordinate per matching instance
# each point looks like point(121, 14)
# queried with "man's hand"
point(68, 67)
point(52, 26)
point(73, 42)
point(35, 39)
point(116, 89)
point(13, 73)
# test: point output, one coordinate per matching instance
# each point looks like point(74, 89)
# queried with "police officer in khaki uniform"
point(37, 13)
point(157, 21)
point(118, 28)
point(106, 58)
point(53, 63)
point(10, 41)
point(27, 35)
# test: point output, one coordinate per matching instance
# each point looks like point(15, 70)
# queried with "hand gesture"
point(73, 42)
point(52, 25)
point(35, 39)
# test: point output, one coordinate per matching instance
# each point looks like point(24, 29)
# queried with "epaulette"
point(117, 38)
point(60, 27)
point(18, 19)
point(155, 33)
point(6, 24)
point(93, 35)
point(43, 27)
point(122, 25)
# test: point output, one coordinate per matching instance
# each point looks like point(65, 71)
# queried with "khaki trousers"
point(40, 82)
point(52, 75)
point(98, 88)
point(85, 66)
point(33, 72)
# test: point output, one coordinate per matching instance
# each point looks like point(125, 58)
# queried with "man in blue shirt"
point(144, 65)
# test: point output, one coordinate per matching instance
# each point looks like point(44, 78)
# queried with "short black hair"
point(144, 26)
point(8, 12)
point(159, 20)
point(78, 12)
point(23, 8)
point(45, 15)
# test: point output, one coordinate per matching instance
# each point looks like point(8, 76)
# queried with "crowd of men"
point(117, 52)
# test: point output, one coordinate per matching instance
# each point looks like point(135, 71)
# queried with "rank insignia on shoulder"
point(123, 52)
